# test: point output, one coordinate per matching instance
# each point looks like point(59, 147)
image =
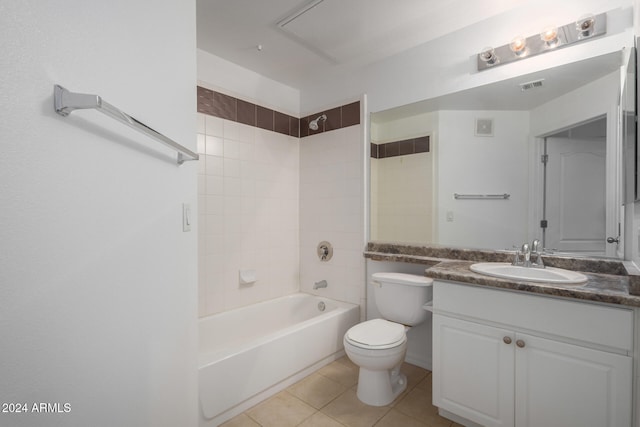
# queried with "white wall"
point(447, 64)
point(403, 187)
point(248, 213)
point(219, 74)
point(592, 100)
point(403, 198)
point(403, 127)
point(469, 164)
point(332, 209)
point(97, 280)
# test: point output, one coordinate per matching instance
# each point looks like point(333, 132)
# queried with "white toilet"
point(378, 346)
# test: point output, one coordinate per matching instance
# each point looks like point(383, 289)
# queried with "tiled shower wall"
point(332, 209)
point(261, 209)
point(248, 213)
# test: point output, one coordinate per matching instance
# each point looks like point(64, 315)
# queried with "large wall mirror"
point(537, 156)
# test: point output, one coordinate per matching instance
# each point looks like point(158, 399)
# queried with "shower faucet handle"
point(324, 251)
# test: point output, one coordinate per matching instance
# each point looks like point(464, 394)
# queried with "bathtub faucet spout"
point(320, 284)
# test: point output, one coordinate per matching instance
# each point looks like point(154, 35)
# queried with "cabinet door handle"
point(520, 343)
point(507, 340)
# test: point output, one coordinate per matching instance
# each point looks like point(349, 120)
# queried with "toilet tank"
point(399, 296)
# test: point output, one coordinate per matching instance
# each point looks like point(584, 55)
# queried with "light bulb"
point(585, 25)
point(550, 36)
point(488, 55)
point(518, 45)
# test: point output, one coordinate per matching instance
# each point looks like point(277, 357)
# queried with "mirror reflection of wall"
point(412, 197)
point(473, 164)
point(402, 180)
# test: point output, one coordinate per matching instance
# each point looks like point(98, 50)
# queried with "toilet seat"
point(376, 334)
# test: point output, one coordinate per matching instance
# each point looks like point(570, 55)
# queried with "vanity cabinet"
point(504, 359)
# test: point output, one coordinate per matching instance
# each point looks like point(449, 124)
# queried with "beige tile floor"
point(327, 398)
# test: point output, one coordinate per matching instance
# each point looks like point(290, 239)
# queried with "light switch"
point(449, 216)
point(186, 217)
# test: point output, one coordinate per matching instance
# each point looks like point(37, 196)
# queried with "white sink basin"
point(546, 275)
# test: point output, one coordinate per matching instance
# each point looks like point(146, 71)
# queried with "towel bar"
point(481, 196)
point(65, 102)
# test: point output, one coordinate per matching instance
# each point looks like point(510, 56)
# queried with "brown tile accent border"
point(400, 148)
point(246, 113)
point(227, 107)
point(337, 118)
point(265, 118)
point(205, 101)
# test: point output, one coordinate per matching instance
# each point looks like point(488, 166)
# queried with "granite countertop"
point(609, 281)
point(604, 288)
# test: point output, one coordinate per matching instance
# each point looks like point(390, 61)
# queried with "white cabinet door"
point(473, 371)
point(559, 384)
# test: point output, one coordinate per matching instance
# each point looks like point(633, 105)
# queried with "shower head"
point(313, 124)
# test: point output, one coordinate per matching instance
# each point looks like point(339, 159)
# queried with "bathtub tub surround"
point(254, 212)
point(379, 346)
point(240, 366)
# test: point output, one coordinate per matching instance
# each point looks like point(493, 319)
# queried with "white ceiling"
point(290, 41)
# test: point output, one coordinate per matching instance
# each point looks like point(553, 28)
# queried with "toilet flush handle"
point(376, 283)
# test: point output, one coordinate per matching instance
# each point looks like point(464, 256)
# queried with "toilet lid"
point(377, 333)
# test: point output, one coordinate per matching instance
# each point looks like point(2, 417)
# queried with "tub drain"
point(321, 306)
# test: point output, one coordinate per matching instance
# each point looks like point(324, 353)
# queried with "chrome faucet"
point(527, 252)
point(320, 284)
point(535, 251)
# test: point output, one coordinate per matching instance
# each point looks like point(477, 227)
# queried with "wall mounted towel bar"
point(65, 102)
point(481, 196)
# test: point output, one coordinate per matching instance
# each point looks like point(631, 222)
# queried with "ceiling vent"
point(531, 85)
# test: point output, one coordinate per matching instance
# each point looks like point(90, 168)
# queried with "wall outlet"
point(449, 216)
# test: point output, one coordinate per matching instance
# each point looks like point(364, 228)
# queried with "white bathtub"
point(250, 353)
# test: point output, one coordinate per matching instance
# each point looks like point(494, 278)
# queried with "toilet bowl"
point(379, 346)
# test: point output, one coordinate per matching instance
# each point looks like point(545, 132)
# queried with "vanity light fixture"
point(551, 38)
